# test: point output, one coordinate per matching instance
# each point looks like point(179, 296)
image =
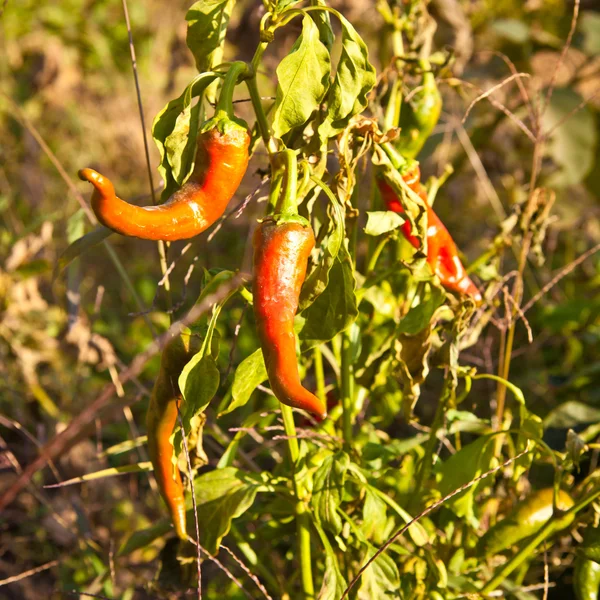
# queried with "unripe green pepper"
point(527, 518)
point(419, 116)
point(586, 579)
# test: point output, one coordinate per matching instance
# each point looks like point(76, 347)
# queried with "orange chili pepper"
point(221, 161)
point(161, 420)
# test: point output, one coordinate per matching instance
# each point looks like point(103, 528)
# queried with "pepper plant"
point(314, 428)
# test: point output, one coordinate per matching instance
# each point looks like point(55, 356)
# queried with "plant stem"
point(425, 468)
point(319, 374)
point(504, 367)
point(347, 389)
point(375, 256)
point(302, 515)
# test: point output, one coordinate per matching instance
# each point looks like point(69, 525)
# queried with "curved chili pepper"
point(281, 251)
point(526, 519)
point(442, 253)
point(221, 161)
point(161, 420)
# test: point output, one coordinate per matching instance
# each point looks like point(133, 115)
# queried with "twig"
point(489, 92)
point(246, 570)
point(563, 53)
point(562, 273)
point(222, 567)
point(29, 573)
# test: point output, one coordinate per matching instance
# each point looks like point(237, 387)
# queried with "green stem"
point(392, 111)
point(302, 515)
point(287, 204)
point(225, 103)
point(347, 389)
point(427, 460)
point(397, 43)
point(319, 374)
point(375, 256)
point(397, 160)
point(274, 191)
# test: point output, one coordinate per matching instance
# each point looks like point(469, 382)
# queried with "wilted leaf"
point(382, 221)
point(354, 79)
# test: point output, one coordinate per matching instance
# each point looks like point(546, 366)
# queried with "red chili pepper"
point(442, 253)
point(281, 251)
point(221, 161)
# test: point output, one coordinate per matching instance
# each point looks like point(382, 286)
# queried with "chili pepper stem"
point(302, 516)
point(225, 103)
point(287, 201)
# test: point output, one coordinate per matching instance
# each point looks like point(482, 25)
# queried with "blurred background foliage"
point(66, 79)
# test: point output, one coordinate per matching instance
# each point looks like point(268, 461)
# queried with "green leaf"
point(180, 148)
point(199, 382)
point(374, 516)
point(382, 221)
point(334, 583)
point(323, 22)
point(335, 309)
point(143, 538)
point(461, 468)
point(354, 79)
point(302, 80)
point(420, 316)
point(589, 24)
point(250, 373)
point(221, 496)
point(381, 579)
point(207, 25)
point(570, 415)
point(81, 246)
point(573, 145)
point(513, 30)
point(328, 487)
point(590, 548)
